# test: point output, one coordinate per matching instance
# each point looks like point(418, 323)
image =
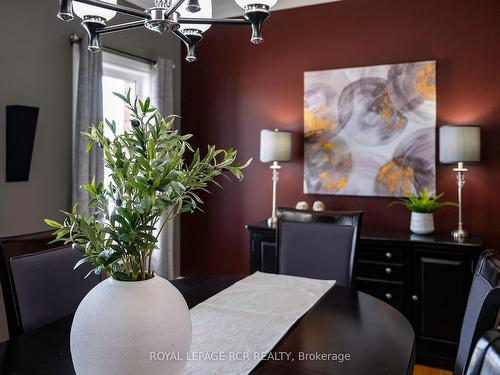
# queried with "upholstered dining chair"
point(46, 286)
point(318, 244)
point(485, 359)
point(483, 307)
point(39, 283)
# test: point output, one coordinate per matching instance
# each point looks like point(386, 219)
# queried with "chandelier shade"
point(185, 19)
point(84, 10)
point(247, 3)
point(205, 11)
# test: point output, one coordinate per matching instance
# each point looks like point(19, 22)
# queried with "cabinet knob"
point(388, 270)
point(388, 255)
point(388, 295)
point(414, 297)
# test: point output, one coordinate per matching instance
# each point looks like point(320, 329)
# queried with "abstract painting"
point(370, 131)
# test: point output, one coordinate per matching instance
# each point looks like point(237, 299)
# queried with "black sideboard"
point(427, 278)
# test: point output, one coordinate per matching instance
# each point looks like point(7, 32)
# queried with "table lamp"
point(275, 147)
point(460, 144)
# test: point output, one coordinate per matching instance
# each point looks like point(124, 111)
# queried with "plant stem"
point(165, 222)
point(143, 266)
point(149, 264)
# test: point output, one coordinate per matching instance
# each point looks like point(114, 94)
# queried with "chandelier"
point(186, 19)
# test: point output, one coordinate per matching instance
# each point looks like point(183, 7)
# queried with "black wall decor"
point(20, 137)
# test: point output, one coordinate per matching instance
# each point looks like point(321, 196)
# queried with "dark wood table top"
point(378, 339)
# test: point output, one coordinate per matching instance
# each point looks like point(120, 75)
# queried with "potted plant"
point(422, 207)
point(134, 313)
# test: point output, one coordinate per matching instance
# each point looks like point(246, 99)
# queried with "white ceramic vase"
point(422, 223)
point(130, 328)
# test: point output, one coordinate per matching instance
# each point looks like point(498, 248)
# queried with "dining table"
point(345, 332)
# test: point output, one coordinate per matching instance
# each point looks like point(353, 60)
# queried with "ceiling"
point(228, 8)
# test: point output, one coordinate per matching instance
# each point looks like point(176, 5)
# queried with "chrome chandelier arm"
point(120, 27)
point(210, 21)
point(174, 7)
point(191, 39)
point(118, 8)
point(181, 36)
point(163, 17)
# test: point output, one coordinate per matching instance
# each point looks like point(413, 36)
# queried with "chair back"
point(482, 309)
point(485, 359)
point(38, 281)
point(320, 245)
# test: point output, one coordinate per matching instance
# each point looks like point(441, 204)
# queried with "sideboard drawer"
point(380, 270)
point(390, 292)
point(366, 251)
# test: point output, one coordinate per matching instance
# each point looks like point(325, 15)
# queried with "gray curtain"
point(163, 99)
point(87, 166)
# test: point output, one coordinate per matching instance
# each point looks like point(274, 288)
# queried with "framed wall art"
point(370, 131)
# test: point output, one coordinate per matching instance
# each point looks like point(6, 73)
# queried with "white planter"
point(120, 327)
point(422, 223)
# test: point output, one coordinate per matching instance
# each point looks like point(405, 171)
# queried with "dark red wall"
point(236, 89)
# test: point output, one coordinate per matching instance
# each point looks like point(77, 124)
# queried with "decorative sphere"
point(303, 205)
point(318, 206)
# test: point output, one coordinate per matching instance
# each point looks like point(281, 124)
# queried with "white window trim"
point(117, 66)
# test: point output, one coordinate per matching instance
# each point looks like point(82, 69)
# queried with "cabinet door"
point(263, 255)
point(440, 291)
point(268, 257)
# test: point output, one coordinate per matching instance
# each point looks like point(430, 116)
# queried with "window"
point(119, 75)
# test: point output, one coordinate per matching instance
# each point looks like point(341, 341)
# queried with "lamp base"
point(459, 234)
point(271, 222)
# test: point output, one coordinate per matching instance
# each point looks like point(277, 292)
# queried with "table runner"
point(251, 317)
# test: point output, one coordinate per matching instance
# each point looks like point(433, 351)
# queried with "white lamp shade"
point(275, 145)
point(204, 12)
point(244, 3)
point(82, 10)
point(459, 144)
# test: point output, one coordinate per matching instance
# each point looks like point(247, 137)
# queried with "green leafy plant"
point(423, 202)
point(150, 181)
